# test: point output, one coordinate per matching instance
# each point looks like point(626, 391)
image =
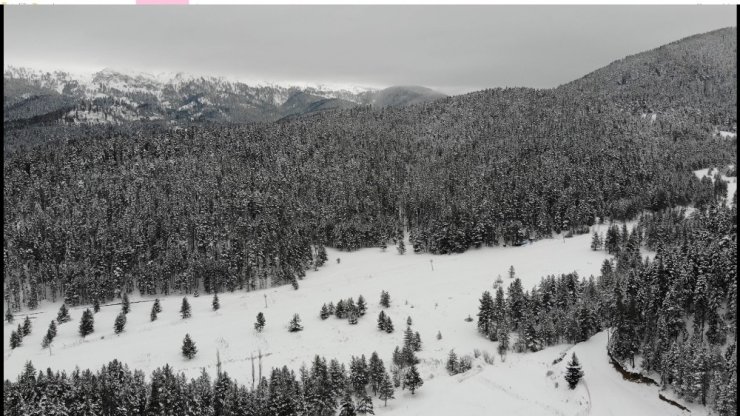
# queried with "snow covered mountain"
point(110, 96)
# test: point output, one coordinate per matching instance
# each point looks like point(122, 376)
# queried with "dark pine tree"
point(96, 305)
point(26, 326)
point(87, 323)
point(596, 242)
point(574, 373)
point(385, 299)
point(295, 324)
point(188, 347)
point(412, 379)
point(153, 314)
point(324, 312)
point(185, 309)
point(15, 340)
point(388, 325)
point(120, 323)
point(381, 321)
point(63, 315)
point(452, 363)
point(9, 316)
point(157, 306)
point(215, 303)
point(361, 305)
point(260, 324)
point(385, 391)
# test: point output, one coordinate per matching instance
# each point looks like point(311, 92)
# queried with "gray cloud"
point(452, 48)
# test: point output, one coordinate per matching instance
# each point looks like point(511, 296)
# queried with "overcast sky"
point(452, 48)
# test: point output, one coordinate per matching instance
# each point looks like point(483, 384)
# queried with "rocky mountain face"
point(35, 97)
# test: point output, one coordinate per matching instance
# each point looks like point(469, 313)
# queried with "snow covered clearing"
point(731, 181)
point(437, 292)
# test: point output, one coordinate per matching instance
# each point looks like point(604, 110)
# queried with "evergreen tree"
point(386, 390)
point(412, 379)
point(215, 303)
point(452, 364)
point(324, 312)
point(596, 242)
point(375, 372)
point(401, 247)
point(365, 405)
point(512, 273)
point(188, 347)
point(86, 323)
point(611, 241)
point(361, 305)
point(417, 341)
point(260, 324)
point(408, 338)
point(153, 313)
point(52, 331)
point(295, 324)
point(63, 315)
point(9, 316)
point(340, 311)
point(321, 256)
point(96, 305)
point(120, 323)
point(503, 339)
point(439, 335)
point(125, 304)
point(352, 318)
point(347, 406)
point(26, 326)
point(408, 321)
point(573, 373)
point(388, 325)
point(15, 340)
point(381, 321)
point(385, 299)
point(485, 314)
point(157, 306)
point(185, 308)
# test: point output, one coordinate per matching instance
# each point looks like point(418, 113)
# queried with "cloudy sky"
point(452, 48)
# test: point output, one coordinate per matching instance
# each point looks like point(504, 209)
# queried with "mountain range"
point(108, 96)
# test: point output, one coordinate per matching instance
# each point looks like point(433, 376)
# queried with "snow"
point(727, 134)
point(437, 300)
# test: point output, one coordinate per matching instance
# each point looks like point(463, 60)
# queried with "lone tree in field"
point(188, 347)
point(125, 304)
point(574, 373)
point(215, 303)
point(324, 312)
point(260, 324)
point(511, 272)
point(295, 324)
point(120, 323)
point(87, 323)
point(153, 314)
point(9, 316)
point(385, 299)
point(596, 242)
point(185, 308)
point(15, 340)
point(381, 321)
point(412, 379)
point(361, 305)
point(157, 307)
point(63, 315)
point(26, 326)
point(96, 305)
point(50, 334)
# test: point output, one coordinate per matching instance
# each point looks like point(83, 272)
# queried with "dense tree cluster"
point(116, 390)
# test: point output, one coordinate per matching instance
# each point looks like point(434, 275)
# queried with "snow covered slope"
point(437, 292)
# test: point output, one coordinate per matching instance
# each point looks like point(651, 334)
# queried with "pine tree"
point(408, 338)
point(26, 326)
point(96, 305)
point(215, 303)
point(347, 406)
point(439, 335)
point(596, 242)
point(361, 305)
point(188, 347)
point(573, 373)
point(365, 405)
point(185, 308)
point(260, 324)
point(157, 307)
point(388, 325)
point(375, 372)
point(352, 318)
point(452, 364)
point(120, 323)
point(9, 316)
point(385, 391)
point(52, 331)
point(412, 379)
point(401, 247)
point(87, 323)
point(409, 321)
point(295, 324)
point(15, 340)
point(324, 312)
point(63, 315)
point(125, 304)
point(153, 314)
point(340, 311)
point(381, 321)
point(485, 314)
point(385, 299)
point(503, 339)
point(417, 342)
point(512, 273)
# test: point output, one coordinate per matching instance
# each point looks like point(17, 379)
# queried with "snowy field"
point(437, 292)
